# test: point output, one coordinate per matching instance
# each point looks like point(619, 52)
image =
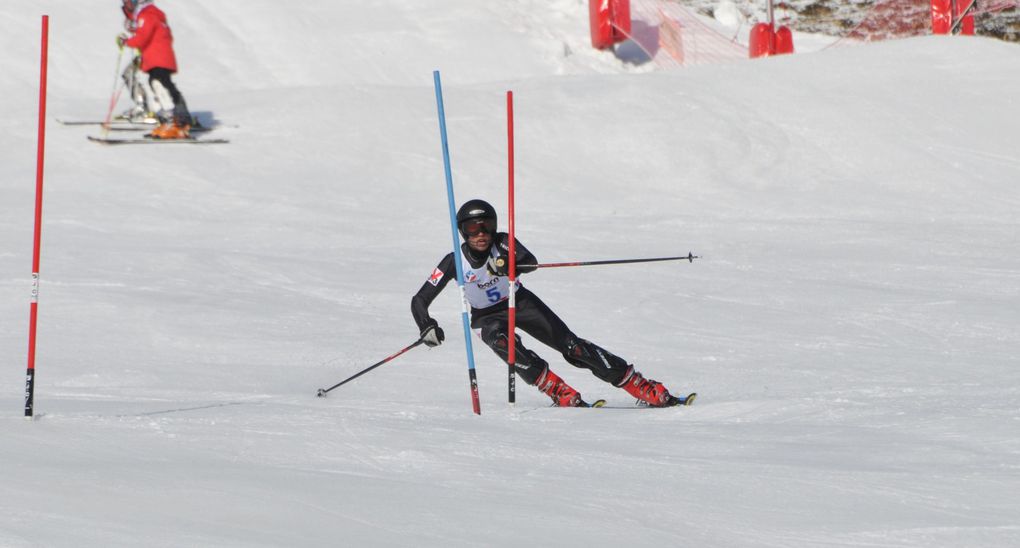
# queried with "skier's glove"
point(497, 266)
point(120, 40)
point(433, 335)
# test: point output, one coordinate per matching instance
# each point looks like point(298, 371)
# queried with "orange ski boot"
point(562, 394)
point(647, 391)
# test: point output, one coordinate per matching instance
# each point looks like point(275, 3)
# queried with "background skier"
point(144, 108)
point(487, 288)
point(153, 38)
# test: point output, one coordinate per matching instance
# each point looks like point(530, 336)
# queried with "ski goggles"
point(475, 227)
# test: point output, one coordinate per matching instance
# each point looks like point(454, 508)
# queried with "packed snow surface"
point(852, 329)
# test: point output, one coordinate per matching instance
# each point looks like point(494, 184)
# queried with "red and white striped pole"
point(512, 312)
point(41, 147)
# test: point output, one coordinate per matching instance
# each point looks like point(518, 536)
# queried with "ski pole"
point(115, 93)
point(689, 257)
point(323, 391)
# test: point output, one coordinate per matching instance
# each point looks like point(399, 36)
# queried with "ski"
point(680, 401)
point(135, 126)
point(144, 141)
point(686, 401)
point(147, 127)
point(582, 405)
point(120, 123)
point(677, 401)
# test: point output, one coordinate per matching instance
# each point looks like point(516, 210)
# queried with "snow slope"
point(852, 329)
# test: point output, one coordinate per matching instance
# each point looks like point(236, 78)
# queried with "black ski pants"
point(538, 320)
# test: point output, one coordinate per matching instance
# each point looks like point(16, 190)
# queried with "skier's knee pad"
point(602, 363)
point(494, 335)
point(527, 363)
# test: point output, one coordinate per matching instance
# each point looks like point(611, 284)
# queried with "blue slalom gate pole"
point(457, 258)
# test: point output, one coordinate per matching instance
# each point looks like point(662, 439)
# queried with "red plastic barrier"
point(941, 16)
point(761, 40)
point(620, 14)
point(764, 41)
point(601, 24)
point(609, 21)
point(967, 25)
point(783, 41)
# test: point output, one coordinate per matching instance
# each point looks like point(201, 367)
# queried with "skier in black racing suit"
point(487, 288)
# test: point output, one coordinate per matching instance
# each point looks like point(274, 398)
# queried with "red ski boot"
point(648, 391)
point(561, 393)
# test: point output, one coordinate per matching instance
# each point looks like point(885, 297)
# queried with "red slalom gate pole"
point(40, 149)
point(512, 312)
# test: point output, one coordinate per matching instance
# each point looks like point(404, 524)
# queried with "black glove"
point(433, 335)
point(497, 266)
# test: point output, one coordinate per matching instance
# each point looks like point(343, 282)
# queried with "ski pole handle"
point(323, 391)
point(689, 257)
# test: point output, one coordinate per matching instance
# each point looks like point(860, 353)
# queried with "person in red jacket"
point(152, 37)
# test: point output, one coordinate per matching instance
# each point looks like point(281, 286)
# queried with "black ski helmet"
point(475, 209)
